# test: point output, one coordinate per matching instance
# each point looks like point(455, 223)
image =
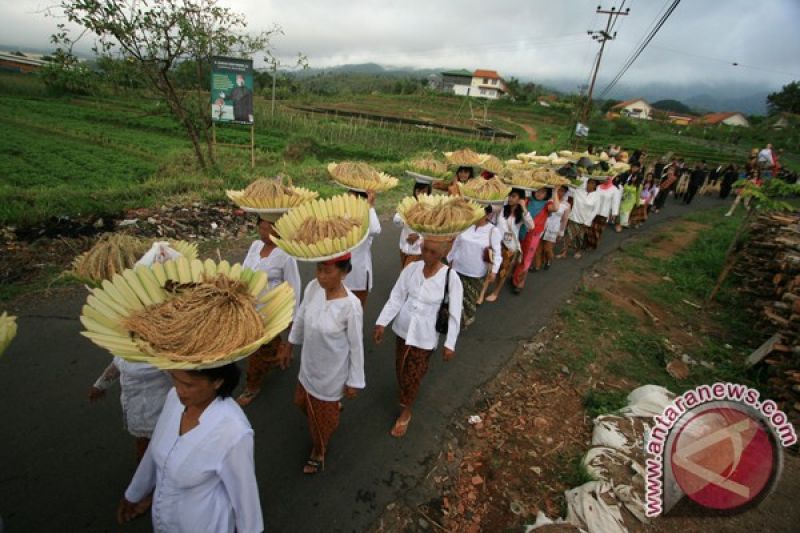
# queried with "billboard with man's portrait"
point(232, 90)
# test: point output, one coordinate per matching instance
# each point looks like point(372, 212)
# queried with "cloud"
point(540, 40)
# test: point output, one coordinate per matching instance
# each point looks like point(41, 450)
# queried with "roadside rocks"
point(27, 253)
point(198, 222)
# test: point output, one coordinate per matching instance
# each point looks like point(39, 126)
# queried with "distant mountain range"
point(702, 97)
point(370, 68)
point(750, 99)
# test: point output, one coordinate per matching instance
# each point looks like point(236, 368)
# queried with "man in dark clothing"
point(658, 170)
point(634, 174)
point(568, 170)
point(696, 180)
point(242, 98)
point(729, 177)
point(638, 157)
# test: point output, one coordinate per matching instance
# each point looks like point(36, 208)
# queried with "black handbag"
point(443, 316)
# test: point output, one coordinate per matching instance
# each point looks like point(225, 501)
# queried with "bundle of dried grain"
point(203, 322)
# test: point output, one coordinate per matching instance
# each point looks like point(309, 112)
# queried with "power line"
point(632, 59)
point(726, 61)
point(614, 22)
point(602, 36)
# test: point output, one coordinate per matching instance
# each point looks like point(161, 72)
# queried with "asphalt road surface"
point(64, 463)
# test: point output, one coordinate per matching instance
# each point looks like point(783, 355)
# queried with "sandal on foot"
point(313, 466)
point(491, 298)
point(246, 398)
point(400, 428)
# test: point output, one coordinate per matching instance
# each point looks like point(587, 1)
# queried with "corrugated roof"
point(23, 60)
point(460, 72)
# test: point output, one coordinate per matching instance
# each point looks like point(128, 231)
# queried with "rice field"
point(74, 156)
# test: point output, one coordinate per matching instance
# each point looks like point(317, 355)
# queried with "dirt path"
point(533, 427)
point(366, 468)
point(533, 135)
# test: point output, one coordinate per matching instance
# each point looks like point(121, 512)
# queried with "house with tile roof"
point(636, 108)
point(734, 118)
point(488, 84)
point(479, 83)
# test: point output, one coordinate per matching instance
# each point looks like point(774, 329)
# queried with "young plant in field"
point(158, 37)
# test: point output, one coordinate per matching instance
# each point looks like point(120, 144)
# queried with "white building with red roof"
point(635, 108)
point(487, 84)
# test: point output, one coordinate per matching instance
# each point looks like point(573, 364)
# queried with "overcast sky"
point(540, 40)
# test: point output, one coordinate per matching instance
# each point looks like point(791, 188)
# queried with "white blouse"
point(143, 388)
point(584, 206)
point(279, 267)
point(553, 224)
point(466, 255)
point(405, 231)
point(360, 278)
point(414, 305)
point(607, 204)
point(509, 228)
point(333, 345)
point(205, 479)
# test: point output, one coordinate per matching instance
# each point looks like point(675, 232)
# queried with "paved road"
point(64, 464)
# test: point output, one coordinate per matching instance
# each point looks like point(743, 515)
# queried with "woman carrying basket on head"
point(199, 466)
point(552, 229)
point(360, 278)
point(329, 326)
point(410, 240)
point(143, 387)
point(475, 255)
point(510, 221)
point(426, 300)
point(539, 207)
point(463, 174)
point(266, 257)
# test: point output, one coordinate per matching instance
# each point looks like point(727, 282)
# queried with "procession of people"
point(194, 444)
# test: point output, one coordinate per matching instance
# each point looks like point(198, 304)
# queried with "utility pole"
point(602, 36)
point(274, 77)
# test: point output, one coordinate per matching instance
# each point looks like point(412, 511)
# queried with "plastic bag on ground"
point(647, 400)
point(594, 506)
point(160, 252)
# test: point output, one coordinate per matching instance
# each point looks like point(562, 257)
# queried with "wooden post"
point(274, 75)
point(213, 139)
point(252, 146)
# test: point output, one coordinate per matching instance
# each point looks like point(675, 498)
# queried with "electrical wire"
point(727, 61)
point(614, 22)
point(632, 59)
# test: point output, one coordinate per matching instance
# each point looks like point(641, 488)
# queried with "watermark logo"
point(719, 446)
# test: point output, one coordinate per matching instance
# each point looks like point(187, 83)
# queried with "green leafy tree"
point(159, 36)
point(675, 106)
point(786, 100)
point(66, 74)
point(608, 104)
point(120, 72)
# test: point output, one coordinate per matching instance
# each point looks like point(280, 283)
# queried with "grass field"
point(724, 332)
point(73, 156)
